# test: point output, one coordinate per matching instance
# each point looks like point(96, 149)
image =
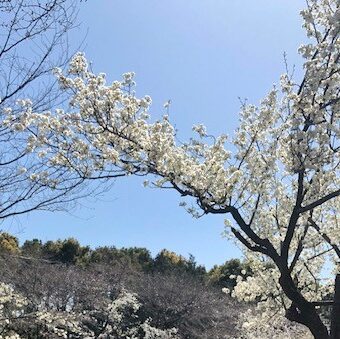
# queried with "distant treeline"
point(71, 252)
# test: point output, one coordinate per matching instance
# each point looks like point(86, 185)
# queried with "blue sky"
point(202, 55)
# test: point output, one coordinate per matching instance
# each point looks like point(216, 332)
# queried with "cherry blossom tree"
point(279, 184)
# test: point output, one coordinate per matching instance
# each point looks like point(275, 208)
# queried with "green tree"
point(167, 261)
point(225, 275)
point(32, 248)
point(51, 249)
point(72, 252)
point(104, 255)
point(139, 257)
point(8, 243)
point(193, 268)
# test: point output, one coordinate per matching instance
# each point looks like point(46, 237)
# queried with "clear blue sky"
point(201, 54)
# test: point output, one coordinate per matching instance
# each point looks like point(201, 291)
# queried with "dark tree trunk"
point(335, 319)
point(301, 310)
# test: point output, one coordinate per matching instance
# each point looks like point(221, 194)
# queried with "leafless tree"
point(168, 300)
point(33, 41)
point(187, 303)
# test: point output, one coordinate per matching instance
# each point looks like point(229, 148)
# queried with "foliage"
point(8, 243)
point(69, 251)
point(32, 248)
point(168, 261)
point(225, 275)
